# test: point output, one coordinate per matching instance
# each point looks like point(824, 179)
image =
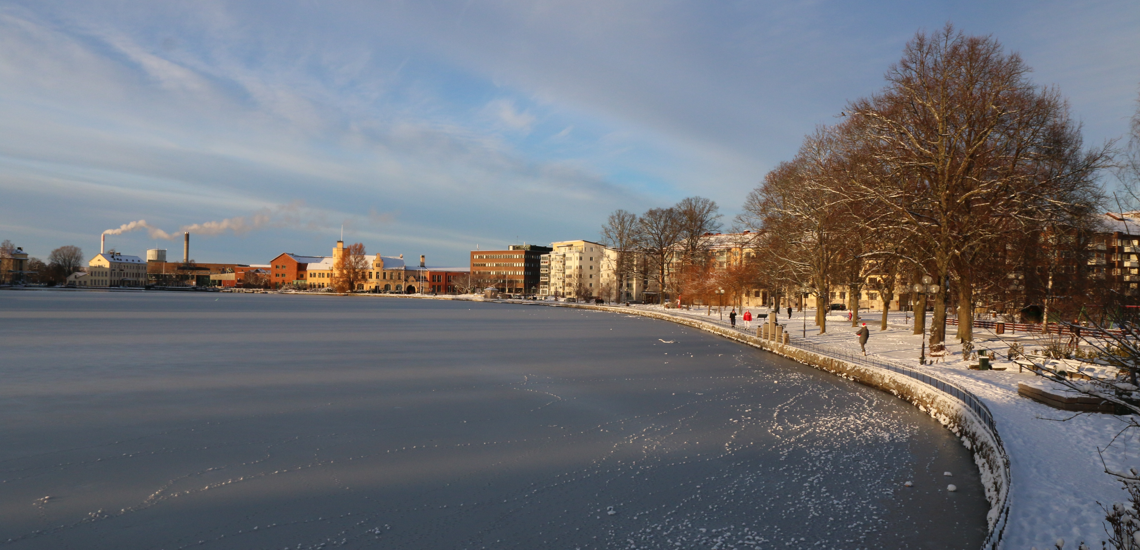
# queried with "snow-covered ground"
point(1058, 478)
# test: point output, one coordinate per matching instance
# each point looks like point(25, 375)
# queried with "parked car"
point(838, 307)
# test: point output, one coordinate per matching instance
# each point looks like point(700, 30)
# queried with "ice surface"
point(162, 420)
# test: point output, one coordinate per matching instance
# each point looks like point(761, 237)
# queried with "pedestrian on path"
point(732, 317)
point(748, 319)
point(789, 312)
point(863, 335)
point(848, 315)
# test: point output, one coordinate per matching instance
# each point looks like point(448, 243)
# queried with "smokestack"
point(102, 242)
point(421, 260)
point(186, 247)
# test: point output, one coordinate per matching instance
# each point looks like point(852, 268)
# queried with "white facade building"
point(109, 269)
point(573, 269)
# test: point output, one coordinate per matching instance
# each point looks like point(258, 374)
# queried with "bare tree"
point(698, 217)
point(350, 269)
point(66, 260)
point(622, 234)
point(803, 217)
point(660, 229)
point(961, 121)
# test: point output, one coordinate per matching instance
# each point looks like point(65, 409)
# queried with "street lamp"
point(720, 302)
point(921, 289)
point(803, 308)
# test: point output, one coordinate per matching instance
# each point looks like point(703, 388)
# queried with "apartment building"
point(575, 269)
point(514, 270)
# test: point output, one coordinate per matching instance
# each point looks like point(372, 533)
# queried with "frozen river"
point(169, 420)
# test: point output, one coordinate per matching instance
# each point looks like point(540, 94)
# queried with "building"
point(289, 268)
point(13, 266)
point(514, 270)
point(574, 269)
point(241, 276)
point(427, 279)
point(387, 274)
point(636, 281)
point(111, 269)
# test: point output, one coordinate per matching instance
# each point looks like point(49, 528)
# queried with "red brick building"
point(288, 267)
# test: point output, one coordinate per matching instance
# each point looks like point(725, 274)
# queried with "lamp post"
point(803, 308)
point(720, 302)
point(920, 289)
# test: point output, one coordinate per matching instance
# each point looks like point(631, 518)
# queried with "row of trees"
point(960, 170)
point(650, 247)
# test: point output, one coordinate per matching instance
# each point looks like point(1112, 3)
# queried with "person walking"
point(732, 317)
point(789, 312)
point(863, 335)
point(747, 319)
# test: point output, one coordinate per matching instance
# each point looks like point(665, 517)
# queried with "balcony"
point(1130, 278)
point(1101, 247)
point(1100, 261)
point(1129, 263)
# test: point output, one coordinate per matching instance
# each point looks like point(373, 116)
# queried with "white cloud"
point(511, 117)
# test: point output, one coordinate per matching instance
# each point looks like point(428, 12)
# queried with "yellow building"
point(387, 274)
point(384, 274)
point(114, 269)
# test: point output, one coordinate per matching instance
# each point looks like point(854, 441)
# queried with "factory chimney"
point(102, 242)
point(186, 247)
point(421, 260)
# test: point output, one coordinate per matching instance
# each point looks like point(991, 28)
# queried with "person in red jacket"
point(748, 319)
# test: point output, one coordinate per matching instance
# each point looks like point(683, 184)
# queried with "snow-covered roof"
point(305, 259)
point(324, 264)
point(448, 269)
point(119, 258)
point(729, 240)
point(392, 263)
point(1126, 222)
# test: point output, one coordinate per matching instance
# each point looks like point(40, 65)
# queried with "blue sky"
point(432, 127)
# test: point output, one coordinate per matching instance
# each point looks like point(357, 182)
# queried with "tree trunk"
point(820, 305)
point(853, 304)
point(965, 309)
point(938, 323)
point(887, 298)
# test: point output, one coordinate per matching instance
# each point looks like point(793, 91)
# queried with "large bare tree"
point(622, 234)
point(803, 217)
point(66, 260)
point(963, 125)
point(660, 230)
point(698, 217)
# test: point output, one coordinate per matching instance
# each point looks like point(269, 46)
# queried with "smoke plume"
point(294, 214)
point(154, 232)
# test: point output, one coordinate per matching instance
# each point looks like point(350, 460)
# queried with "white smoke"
point(154, 232)
point(293, 214)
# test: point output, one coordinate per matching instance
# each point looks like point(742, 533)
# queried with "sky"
point(438, 127)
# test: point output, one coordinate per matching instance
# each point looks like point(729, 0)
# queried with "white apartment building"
point(114, 269)
point(572, 268)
